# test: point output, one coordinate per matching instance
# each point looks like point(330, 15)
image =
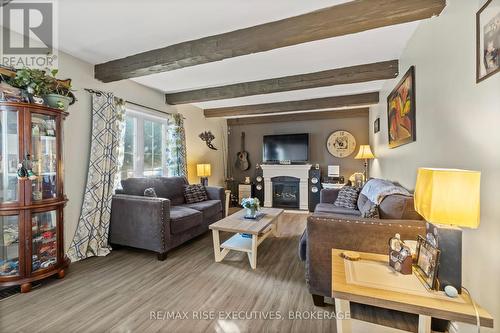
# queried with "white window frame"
point(139, 115)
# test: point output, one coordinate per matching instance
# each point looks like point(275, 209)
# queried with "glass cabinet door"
point(44, 240)
point(9, 245)
point(9, 156)
point(43, 157)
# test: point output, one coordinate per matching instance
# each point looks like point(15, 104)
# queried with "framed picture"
point(13, 161)
point(488, 40)
point(401, 111)
point(376, 125)
point(427, 262)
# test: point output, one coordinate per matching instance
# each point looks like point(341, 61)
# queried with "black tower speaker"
point(314, 187)
point(259, 184)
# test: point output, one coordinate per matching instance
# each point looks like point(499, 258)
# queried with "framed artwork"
point(401, 111)
point(376, 125)
point(488, 40)
point(427, 262)
point(13, 161)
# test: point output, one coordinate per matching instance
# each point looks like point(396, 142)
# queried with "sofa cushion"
point(165, 187)
point(171, 188)
point(208, 208)
point(400, 207)
point(183, 218)
point(347, 198)
point(195, 193)
point(330, 208)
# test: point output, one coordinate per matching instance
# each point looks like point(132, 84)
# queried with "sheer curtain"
point(106, 156)
point(176, 146)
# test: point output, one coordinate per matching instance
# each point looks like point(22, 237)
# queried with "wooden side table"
point(371, 281)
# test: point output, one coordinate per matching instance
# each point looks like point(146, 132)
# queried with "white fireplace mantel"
point(300, 171)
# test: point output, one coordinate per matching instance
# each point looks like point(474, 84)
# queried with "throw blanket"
point(377, 189)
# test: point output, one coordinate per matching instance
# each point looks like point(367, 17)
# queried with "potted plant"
point(44, 88)
point(251, 205)
point(59, 94)
point(34, 81)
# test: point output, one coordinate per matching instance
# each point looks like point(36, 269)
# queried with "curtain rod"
point(92, 91)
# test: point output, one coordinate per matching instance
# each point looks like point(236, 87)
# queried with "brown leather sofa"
point(332, 227)
point(161, 223)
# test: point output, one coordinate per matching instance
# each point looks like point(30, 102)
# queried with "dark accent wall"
point(318, 130)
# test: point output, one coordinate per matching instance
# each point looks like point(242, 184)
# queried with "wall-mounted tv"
point(286, 147)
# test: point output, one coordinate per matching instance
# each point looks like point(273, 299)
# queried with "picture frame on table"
point(488, 40)
point(427, 263)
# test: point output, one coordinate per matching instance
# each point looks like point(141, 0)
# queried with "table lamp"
point(365, 153)
point(203, 171)
point(448, 199)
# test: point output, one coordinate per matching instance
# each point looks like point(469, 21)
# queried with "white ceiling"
point(98, 31)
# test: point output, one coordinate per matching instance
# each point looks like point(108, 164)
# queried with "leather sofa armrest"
point(138, 221)
point(216, 193)
point(327, 231)
point(328, 195)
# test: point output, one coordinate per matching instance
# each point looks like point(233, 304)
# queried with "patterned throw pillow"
point(370, 210)
point(150, 192)
point(347, 198)
point(195, 193)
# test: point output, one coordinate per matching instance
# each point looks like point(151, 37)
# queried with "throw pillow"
point(369, 210)
point(150, 192)
point(347, 198)
point(195, 193)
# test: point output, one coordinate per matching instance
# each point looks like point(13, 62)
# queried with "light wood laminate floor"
point(118, 293)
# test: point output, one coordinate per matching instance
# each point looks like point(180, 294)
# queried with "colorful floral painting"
point(401, 111)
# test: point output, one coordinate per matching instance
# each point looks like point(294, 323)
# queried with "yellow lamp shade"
point(203, 170)
point(448, 196)
point(364, 153)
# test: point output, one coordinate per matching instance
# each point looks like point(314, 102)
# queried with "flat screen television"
point(286, 147)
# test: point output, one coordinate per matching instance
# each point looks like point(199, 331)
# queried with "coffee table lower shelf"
point(255, 231)
point(240, 243)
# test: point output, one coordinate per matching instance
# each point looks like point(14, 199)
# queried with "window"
point(144, 145)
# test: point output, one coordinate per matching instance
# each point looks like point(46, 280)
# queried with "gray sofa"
point(333, 227)
point(164, 222)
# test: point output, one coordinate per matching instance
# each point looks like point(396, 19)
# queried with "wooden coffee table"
point(258, 230)
point(370, 281)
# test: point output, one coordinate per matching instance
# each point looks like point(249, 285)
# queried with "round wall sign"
point(341, 144)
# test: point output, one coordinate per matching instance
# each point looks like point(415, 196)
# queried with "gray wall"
point(318, 130)
point(457, 127)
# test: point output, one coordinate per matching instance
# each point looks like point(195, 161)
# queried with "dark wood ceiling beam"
point(355, 74)
point(351, 17)
point(292, 106)
point(300, 116)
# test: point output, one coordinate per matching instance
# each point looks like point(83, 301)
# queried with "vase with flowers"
point(251, 205)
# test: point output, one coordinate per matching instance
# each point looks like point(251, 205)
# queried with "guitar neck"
point(242, 141)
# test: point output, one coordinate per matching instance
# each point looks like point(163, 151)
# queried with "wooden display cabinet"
point(31, 211)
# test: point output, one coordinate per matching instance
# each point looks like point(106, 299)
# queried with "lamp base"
point(204, 181)
point(448, 239)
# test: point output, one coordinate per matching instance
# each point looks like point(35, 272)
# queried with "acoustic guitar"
point(242, 162)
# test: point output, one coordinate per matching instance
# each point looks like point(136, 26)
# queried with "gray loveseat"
point(164, 222)
point(334, 227)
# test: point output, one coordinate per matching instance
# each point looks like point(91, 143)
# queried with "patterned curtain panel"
point(176, 146)
point(91, 235)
